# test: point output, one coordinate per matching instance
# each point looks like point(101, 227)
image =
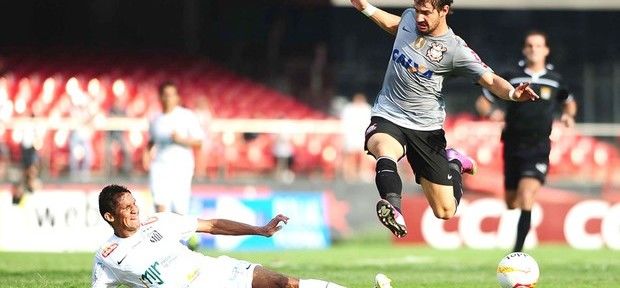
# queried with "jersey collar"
point(535, 75)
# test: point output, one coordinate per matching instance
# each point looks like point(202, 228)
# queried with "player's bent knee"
point(510, 204)
point(444, 212)
point(384, 145)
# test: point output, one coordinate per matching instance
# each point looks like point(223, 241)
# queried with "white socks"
point(312, 283)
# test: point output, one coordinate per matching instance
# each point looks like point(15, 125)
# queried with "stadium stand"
point(65, 87)
point(58, 87)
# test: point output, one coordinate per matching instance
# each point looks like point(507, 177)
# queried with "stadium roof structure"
point(507, 4)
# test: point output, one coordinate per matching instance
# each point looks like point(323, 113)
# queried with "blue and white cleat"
point(382, 281)
point(391, 218)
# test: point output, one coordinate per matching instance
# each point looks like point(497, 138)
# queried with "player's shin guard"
point(312, 283)
point(457, 182)
point(388, 181)
point(525, 222)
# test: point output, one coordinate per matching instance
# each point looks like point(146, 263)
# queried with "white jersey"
point(153, 257)
point(355, 119)
point(185, 124)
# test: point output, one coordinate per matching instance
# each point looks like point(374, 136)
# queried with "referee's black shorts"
point(425, 150)
point(525, 159)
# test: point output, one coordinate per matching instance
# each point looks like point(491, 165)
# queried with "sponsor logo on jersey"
point(419, 42)
point(108, 250)
point(150, 220)
point(412, 67)
point(435, 52)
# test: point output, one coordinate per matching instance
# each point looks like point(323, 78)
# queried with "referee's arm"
point(387, 21)
point(569, 110)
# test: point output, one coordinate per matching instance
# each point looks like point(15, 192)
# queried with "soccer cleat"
point(382, 281)
point(391, 218)
point(468, 165)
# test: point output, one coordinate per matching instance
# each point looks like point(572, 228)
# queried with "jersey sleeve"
point(468, 63)
point(564, 94)
point(102, 276)
point(180, 226)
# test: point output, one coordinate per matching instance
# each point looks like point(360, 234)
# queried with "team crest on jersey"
point(545, 92)
point(435, 52)
point(155, 236)
point(108, 250)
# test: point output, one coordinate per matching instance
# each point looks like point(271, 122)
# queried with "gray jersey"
point(411, 94)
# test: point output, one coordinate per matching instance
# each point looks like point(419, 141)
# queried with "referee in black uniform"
point(528, 126)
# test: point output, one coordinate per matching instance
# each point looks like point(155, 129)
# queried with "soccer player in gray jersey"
point(408, 115)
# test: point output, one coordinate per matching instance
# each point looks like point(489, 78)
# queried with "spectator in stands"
point(30, 140)
point(203, 113)
point(355, 118)
point(526, 142)
point(117, 137)
point(284, 156)
point(173, 136)
point(6, 113)
point(80, 144)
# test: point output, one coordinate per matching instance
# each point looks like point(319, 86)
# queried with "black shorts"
point(525, 160)
point(425, 150)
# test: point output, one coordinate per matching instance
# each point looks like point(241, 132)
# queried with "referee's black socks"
point(523, 227)
point(457, 183)
point(388, 181)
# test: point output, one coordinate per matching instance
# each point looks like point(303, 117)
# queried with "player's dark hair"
point(164, 85)
point(537, 33)
point(108, 198)
point(438, 4)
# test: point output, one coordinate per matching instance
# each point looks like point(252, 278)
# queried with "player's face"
point(535, 49)
point(427, 17)
point(169, 97)
point(127, 213)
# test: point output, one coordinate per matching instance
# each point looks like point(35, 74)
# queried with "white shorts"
point(227, 272)
point(171, 186)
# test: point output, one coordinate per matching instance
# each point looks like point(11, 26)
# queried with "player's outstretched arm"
point(502, 88)
point(229, 227)
point(387, 21)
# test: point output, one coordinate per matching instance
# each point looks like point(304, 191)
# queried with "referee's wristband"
point(369, 10)
point(511, 95)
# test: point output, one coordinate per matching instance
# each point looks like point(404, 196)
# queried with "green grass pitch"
point(354, 265)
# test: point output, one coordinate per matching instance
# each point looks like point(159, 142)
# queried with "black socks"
point(525, 222)
point(388, 181)
point(457, 183)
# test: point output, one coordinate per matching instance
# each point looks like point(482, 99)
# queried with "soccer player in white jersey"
point(173, 135)
point(150, 253)
point(408, 115)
